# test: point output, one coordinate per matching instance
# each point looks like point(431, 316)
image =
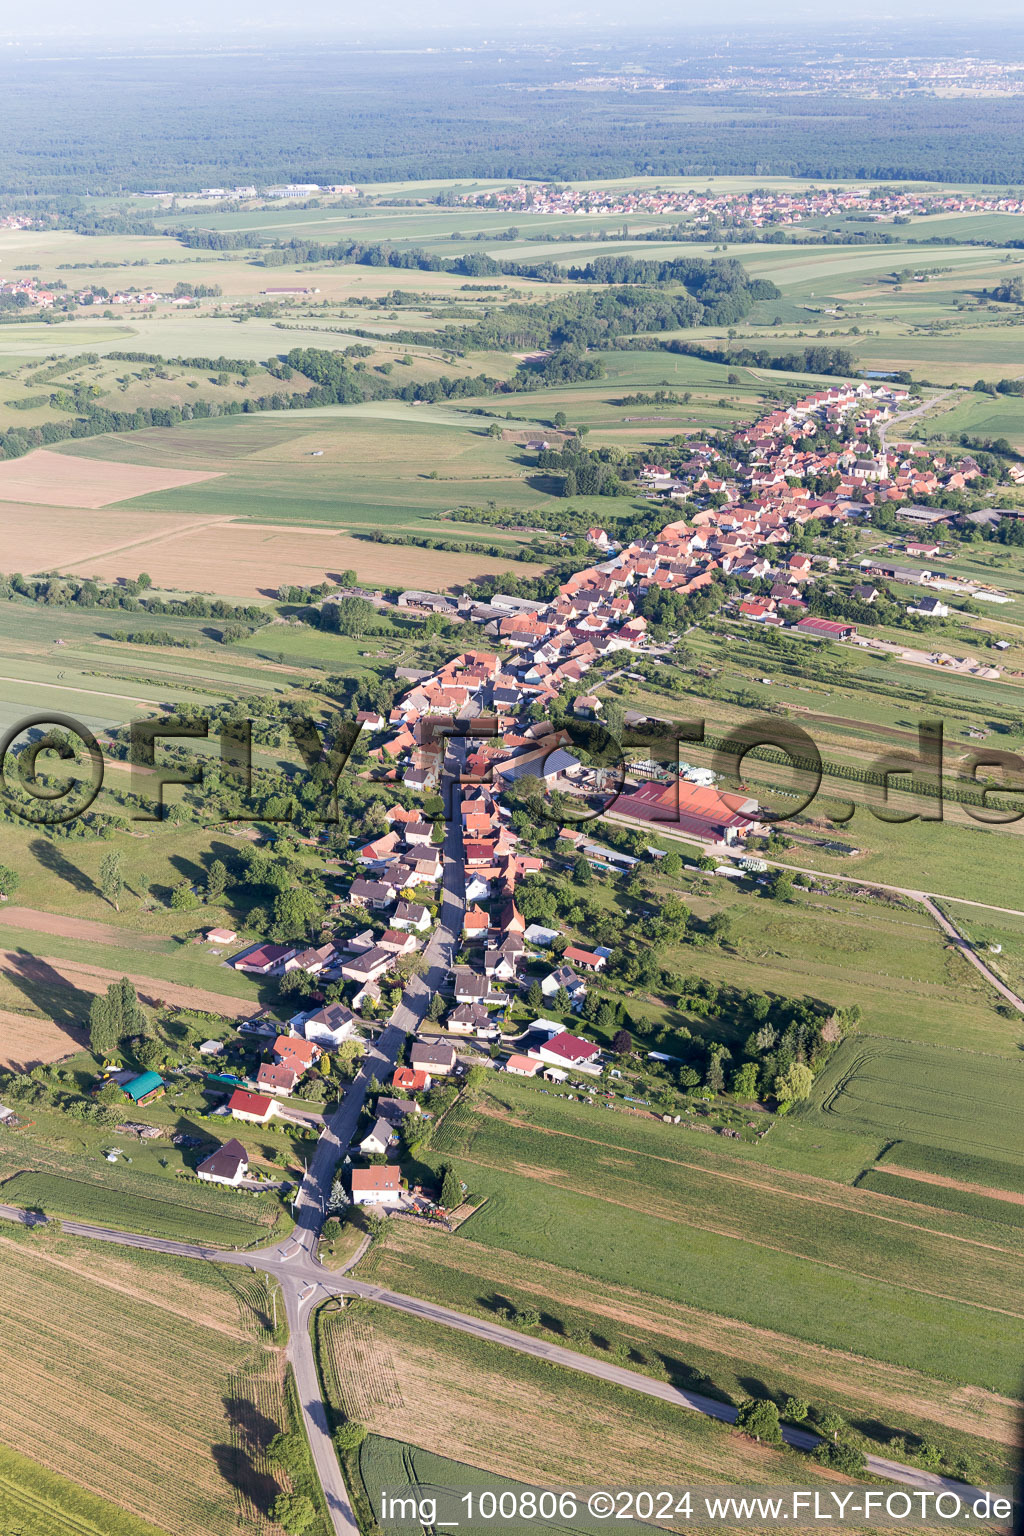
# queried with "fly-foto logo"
point(52, 768)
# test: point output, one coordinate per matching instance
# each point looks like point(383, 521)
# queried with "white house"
point(564, 977)
point(376, 1140)
point(331, 1026)
point(411, 916)
point(228, 1165)
point(376, 1186)
point(569, 1051)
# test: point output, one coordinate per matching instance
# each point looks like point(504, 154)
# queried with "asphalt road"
point(306, 1283)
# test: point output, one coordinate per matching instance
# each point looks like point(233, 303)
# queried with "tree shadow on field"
point(50, 858)
point(237, 1465)
point(189, 869)
point(754, 1387)
point(46, 989)
point(874, 1429)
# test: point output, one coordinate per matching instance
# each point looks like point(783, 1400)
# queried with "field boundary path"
point(965, 948)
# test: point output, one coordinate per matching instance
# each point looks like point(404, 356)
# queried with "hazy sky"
point(401, 21)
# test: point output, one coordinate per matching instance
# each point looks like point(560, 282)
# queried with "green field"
point(690, 1230)
point(953, 1098)
point(194, 1218)
point(691, 1348)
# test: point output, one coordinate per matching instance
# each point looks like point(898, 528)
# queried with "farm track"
point(76, 928)
point(193, 526)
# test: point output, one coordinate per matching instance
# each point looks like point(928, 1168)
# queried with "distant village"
point(759, 208)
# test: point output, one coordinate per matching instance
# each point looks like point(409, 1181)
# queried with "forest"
point(78, 124)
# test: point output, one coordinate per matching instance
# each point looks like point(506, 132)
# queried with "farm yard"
point(132, 1418)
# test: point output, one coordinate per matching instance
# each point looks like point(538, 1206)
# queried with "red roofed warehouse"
point(825, 629)
point(703, 814)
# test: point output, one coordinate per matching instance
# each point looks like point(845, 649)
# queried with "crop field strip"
point(257, 1402)
point(460, 1394)
point(131, 1417)
point(166, 1217)
point(34, 1501)
point(918, 1190)
point(694, 1348)
point(887, 1289)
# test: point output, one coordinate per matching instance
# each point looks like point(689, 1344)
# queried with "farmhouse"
point(522, 1066)
point(586, 959)
point(228, 1165)
point(824, 629)
point(697, 810)
point(265, 960)
point(930, 607)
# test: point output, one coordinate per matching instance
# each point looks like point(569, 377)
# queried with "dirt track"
point(935, 1178)
point(74, 928)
